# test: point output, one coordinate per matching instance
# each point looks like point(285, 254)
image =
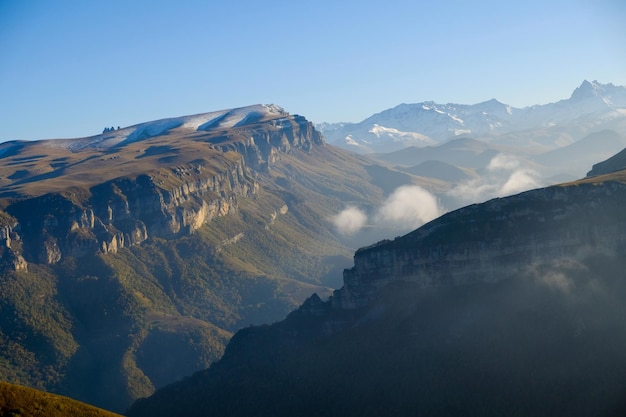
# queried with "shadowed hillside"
point(532, 325)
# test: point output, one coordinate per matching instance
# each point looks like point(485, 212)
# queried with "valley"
point(185, 259)
point(163, 239)
point(510, 307)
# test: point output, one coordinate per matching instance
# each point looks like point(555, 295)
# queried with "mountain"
point(462, 152)
point(592, 107)
point(439, 170)
point(419, 124)
point(509, 307)
point(22, 401)
point(580, 155)
point(503, 150)
point(613, 164)
point(129, 258)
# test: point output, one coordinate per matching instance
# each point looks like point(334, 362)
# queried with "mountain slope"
point(583, 153)
point(163, 239)
point(464, 152)
point(439, 170)
point(511, 307)
point(613, 164)
point(22, 401)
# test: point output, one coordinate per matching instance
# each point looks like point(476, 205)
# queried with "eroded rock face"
point(166, 202)
point(126, 212)
point(262, 145)
point(491, 241)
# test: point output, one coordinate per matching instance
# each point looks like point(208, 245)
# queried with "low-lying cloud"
point(408, 207)
point(505, 175)
point(350, 220)
point(558, 273)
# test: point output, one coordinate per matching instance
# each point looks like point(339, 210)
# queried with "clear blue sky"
point(70, 68)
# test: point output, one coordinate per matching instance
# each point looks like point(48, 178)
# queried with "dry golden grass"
point(37, 168)
point(619, 176)
point(17, 401)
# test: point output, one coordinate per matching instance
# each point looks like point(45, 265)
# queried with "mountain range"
point(492, 149)
point(130, 258)
point(592, 107)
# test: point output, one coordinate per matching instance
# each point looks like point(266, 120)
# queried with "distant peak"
point(589, 89)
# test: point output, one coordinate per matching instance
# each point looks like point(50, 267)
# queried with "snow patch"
point(456, 119)
point(350, 141)
point(222, 119)
point(152, 129)
point(396, 134)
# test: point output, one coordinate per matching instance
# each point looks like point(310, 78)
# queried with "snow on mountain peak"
point(223, 119)
point(592, 105)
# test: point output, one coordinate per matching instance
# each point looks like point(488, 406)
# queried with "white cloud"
point(503, 162)
point(519, 181)
point(505, 175)
point(409, 206)
point(350, 220)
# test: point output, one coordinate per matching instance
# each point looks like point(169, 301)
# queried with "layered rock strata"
point(491, 241)
point(166, 201)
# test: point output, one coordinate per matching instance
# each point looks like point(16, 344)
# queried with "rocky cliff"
point(161, 200)
point(161, 240)
point(126, 211)
point(511, 307)
point(494, 240)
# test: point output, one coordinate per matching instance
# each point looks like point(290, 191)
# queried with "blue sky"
point(70, 68)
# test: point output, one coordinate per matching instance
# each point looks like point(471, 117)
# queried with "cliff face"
point(161, 240)
point(261, 145)
point(492, 241)
point(164, 202)
point(124, 212)
point(540, 329)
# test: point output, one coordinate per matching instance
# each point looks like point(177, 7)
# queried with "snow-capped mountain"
point(592, 106)
point(223, 119)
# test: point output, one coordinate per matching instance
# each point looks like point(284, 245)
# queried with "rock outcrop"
point(127, 211)
point(491, 241)
point(165, 202)
point(262, 144)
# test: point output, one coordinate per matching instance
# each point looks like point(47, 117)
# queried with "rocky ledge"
point(166, 199)
point(491, 241)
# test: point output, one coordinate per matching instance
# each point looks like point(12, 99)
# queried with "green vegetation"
point(110, 328)
point(35, 329)
point(518, 347)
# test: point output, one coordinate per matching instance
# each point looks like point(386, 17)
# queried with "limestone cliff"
point(164, 199)
point(491, 241)
point(261, 145)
